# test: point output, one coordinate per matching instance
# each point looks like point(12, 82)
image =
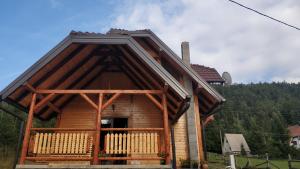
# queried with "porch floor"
point(68, 166)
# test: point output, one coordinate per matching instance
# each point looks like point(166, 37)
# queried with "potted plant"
point(162, 155)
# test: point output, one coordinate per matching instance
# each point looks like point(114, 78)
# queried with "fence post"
point(289, 162)
point(232, 161)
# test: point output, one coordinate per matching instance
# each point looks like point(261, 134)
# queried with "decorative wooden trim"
point(27, 129)
point(44, 101)
point(156, 103)
point(99, 91)
point(85, 97)
point(132, 129)
point(98, 127)
point(109, 101)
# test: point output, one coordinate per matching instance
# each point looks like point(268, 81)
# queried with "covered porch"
point(83, 144)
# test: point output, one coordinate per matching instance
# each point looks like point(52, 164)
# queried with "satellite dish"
point(227, 77)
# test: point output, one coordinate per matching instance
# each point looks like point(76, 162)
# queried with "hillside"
point(261, 112)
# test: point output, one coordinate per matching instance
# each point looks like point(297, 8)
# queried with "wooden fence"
point(292, 163)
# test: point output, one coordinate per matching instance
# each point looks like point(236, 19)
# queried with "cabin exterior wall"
point(141, 113)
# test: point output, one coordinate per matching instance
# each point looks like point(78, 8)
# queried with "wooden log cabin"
point(123, 98)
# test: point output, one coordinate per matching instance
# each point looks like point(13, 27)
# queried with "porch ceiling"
point(78, 60)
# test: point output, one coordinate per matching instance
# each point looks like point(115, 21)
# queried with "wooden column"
point(166, 128)
point(198, 128)
point(98, 130)
point(27, 129)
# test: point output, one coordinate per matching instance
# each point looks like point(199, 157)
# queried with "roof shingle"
point(209, 74)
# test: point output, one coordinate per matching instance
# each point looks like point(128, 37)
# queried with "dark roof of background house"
point(208, 74)
point(294, 130)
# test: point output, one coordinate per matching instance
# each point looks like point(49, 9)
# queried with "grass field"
point(217, 161)
point(6, 161)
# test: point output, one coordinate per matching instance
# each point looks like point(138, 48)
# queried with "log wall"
point(139, 110)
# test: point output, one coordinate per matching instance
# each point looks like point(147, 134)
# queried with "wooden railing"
point(71, 144)
point(60, 144)
point(132, 144)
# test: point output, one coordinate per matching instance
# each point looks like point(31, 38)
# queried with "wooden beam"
point(43, 101)
point(52, 106)
point(54, 69)
point(62, 158)
point(99, 91)
point(98, 130)
point(142, 77)
point(130, 158)
point(156, 103)
point(166, 129)
point(62, 129)
point(109, 101)
point(131, 63)
point(85, 97)
point(198, 128)
point(27, 129)
point(142, 70)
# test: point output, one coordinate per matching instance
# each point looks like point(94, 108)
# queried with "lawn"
point(217, 161)
point(6, 159)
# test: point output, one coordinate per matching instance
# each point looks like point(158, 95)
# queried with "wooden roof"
point(210, 75)
point(80, 57)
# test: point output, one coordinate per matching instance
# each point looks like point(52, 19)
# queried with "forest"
point(261, 112)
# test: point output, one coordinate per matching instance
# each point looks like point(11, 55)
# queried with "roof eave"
point(20, 80)
point(184, 66)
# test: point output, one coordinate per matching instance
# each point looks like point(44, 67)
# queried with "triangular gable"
point(95, 38)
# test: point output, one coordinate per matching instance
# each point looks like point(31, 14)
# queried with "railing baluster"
point(120, 143)
point(112, 143)
point(62, 136)
point(128, 143)
point(65, 144)
point(132, 143)
point(36, 142)
point(40, 143)
point(148, 143)
point(116, 144)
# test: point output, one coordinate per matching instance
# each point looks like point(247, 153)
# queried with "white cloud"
point(225, 36)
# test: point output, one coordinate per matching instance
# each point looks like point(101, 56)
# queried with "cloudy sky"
point(221, 34)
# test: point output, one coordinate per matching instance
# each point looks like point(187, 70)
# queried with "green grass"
point(217, 161)
point(6, 161)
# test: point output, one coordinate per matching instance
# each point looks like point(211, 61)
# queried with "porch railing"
point(75, 144)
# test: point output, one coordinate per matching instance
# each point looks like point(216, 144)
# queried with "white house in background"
point(294, 132)
point(233, 143)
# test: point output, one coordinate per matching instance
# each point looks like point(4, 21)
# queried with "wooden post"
point(98, 130)
point(198, 128)
point(27, 130)
point(166, 128)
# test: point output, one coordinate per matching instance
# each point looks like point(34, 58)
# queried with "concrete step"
point(69, 166)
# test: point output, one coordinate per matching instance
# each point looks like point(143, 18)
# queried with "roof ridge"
point(73, 32)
